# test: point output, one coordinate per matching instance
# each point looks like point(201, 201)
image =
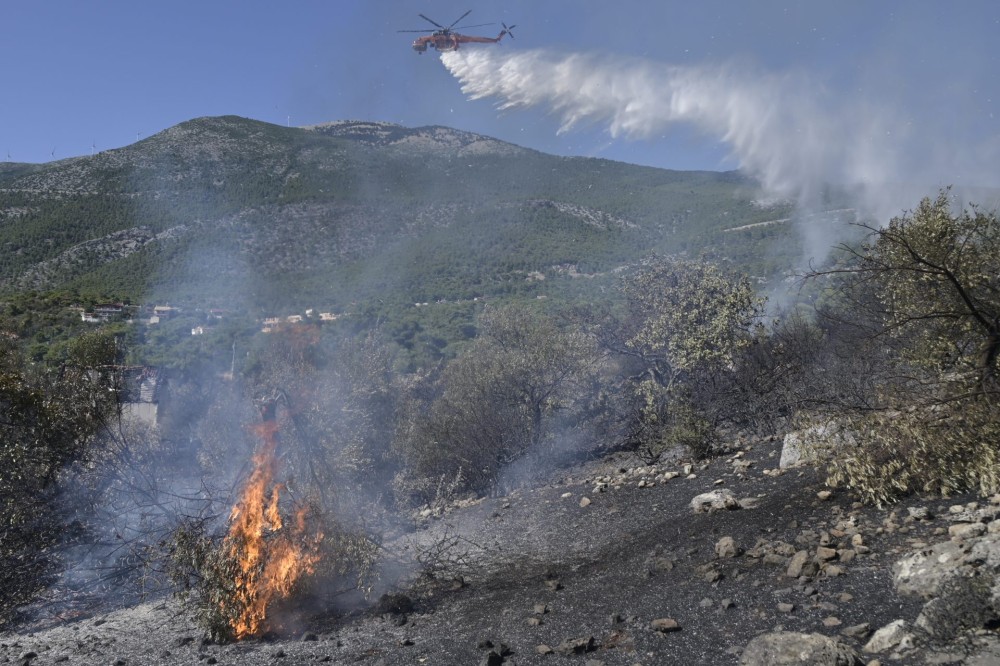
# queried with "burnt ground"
point(539, 569)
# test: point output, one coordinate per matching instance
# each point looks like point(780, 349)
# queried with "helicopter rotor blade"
point(508, 29)
point(416, 31)
point(466, 27)
point(434, 22)
point(459, 19)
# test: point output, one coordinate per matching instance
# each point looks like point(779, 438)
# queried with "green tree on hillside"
point(502, 398)
point(927, 287)
point(683, 321)
point(935, 277)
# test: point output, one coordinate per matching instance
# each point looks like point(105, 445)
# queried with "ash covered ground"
point(608, 563)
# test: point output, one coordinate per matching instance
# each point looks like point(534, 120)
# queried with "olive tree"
point(926, 287)
point(683, 321)
point(936, 278)
point(505, 396)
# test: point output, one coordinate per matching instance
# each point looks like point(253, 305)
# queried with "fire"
point(268, 556)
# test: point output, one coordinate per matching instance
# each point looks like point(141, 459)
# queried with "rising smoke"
point(790, 133)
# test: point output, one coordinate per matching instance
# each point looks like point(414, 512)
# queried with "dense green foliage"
point(49, 418)
point(684, 322)
point(357, 218)
point(926, 288)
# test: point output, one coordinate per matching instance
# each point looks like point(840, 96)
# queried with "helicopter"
point(443, 39)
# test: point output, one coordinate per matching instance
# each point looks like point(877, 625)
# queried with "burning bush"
point(271, 548)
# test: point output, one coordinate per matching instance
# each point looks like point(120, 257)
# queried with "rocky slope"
point(314, 208)
point(614, 562)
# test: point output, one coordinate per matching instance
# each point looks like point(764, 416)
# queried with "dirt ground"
point(576, 571)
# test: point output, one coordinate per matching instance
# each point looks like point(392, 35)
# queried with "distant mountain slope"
point(224, 208)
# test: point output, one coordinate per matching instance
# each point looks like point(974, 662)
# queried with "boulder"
point(985, 552)
point(891, 635)
point(716, 500)
point(813, 444)
point(923, 573)
point(964, 604)
point(789, 647)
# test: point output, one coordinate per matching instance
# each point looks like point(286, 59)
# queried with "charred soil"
point(606, 563)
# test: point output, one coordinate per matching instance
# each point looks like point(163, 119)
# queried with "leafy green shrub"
point(924, 293)
point(950, 450)
point(666, 421)
point(685, 324)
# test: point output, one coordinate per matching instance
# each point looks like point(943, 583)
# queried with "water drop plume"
point(785, 130)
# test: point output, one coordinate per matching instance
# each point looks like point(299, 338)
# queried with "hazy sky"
point(78, 76)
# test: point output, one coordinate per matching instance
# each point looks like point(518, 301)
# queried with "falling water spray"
point(787, 131)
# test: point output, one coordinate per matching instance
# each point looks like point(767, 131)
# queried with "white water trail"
point(786, 131)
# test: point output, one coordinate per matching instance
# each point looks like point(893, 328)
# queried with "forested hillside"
point(286, 218)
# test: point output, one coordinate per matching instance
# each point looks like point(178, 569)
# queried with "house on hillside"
point(103, 312)
point(145, 394)
point(164, 311)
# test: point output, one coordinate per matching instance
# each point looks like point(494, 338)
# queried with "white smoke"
point(790, 133)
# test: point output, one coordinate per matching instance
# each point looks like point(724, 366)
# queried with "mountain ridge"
point(363, 217)
point(206, 170)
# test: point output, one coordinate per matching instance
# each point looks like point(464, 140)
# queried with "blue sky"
point(78, 76)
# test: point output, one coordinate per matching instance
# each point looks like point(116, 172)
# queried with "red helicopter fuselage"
point(450, 41)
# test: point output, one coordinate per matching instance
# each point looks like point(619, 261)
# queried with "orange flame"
point(269, 558)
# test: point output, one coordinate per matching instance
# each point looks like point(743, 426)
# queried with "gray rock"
point(665, 625)
point(859, 631)
point(813, 444)
point(726, 547)
point(985, 552)
point(801, 565)
point(966, 530)
point(890, 636)
point(789, 647)
point(824, 553)
point(924, 572)
point(716, 500)
point(576, 645)
point(964, 603)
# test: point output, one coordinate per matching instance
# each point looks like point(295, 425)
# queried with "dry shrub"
point(205, 572)
point(664, 420)
point(949, 449)
point(449, 558)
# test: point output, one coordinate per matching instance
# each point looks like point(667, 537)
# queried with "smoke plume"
point(790, 133)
